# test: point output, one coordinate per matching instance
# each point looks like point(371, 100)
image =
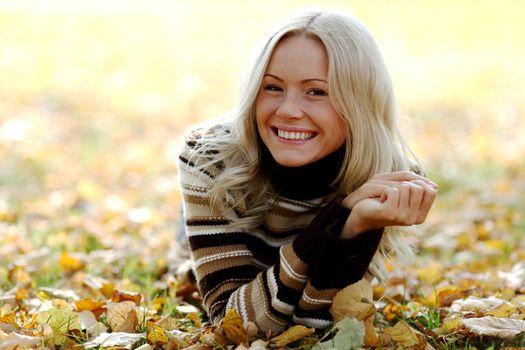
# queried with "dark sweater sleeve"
point(335, 262)
point(330, 219)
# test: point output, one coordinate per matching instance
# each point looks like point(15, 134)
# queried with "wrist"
point(353, 227)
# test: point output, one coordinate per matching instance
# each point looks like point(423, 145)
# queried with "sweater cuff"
point(330, 219)
point(340, 262)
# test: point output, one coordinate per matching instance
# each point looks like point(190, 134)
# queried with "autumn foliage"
point(92, 109)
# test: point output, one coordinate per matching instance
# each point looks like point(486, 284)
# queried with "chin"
point(291, 163)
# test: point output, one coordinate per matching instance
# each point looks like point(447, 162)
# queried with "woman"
point(287, 203)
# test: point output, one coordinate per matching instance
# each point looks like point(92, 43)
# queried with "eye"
point(272, 87)
point(317, 92)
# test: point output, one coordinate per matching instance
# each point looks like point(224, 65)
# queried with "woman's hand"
point(391, 199)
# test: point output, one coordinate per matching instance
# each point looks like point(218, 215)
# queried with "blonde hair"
point(361, 91)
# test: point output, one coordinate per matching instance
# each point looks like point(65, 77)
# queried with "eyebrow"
point(302, 81)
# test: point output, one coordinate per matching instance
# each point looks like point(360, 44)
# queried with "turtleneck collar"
point(305, 182)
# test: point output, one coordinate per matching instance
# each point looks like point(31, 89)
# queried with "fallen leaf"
point(232, 325)
point(404, 335)
point(178, 339)
point(107, 289)
point(353, 301)
point(117, 339)
point(501, 311)
point(292, 334)
point(70, 263)
point(16, 341)
point(476, 304)
point(96, 307)
point(156, 334)
point(119, 296)
point(350, 335)
point(8, 318)
point(61, 322)
point(431, 273)
point(506, 328)
point(122, 317)
point(87, 319)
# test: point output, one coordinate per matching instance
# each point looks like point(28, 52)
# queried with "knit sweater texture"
point(286, 270)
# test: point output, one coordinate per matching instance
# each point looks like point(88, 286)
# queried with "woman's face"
point(295, 117)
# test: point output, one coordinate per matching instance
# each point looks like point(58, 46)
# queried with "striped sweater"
point(287, 270)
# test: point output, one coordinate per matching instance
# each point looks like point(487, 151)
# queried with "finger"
point(428, 199)
point(417, 192)
point(404, 194)
point(392, 198)
point(404, 175)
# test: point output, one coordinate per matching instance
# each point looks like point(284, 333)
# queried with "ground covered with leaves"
point(92, 106)
point(89, 255)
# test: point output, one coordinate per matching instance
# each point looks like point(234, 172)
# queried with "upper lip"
point(293, 129)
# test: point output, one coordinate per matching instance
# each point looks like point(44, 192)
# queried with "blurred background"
point(94, 96)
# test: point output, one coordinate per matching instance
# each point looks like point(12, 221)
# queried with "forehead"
point(299, 53)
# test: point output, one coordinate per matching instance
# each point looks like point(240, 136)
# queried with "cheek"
point(339, 128)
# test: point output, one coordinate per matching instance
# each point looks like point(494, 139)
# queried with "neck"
point(309, 181)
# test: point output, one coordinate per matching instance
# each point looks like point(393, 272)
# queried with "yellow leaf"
point(292, 334)
point(107, 289)
point(88, 304)
point(353, 301)
point(405, 336)
point(431, 273)
point(194, 317)
point(8, 318)
point(232, 325)
point(19, 275)
point(61, 322)
point(156, 334)
point(69, 263)
point(501, 311)
point(451, 323)
point(122, 317)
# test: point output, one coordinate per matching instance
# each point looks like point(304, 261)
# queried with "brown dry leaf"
point(354, 301)
point(506, 328)
point(371, 338)
point(211, 336)
point(232, 325)
point(292, 334)
point(405, 336)
point(70, 263)
point(446, 296)
point(120, 295)
point(122, 317)
point(178, 339)
point(156, 334)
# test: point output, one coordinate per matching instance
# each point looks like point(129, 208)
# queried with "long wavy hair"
point(360, 89)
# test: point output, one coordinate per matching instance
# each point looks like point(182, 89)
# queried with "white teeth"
point(295, 135)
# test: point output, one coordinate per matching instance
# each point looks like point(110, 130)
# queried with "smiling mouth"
point(294, 135)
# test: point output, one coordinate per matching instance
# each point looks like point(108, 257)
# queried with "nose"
point(290, 107)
